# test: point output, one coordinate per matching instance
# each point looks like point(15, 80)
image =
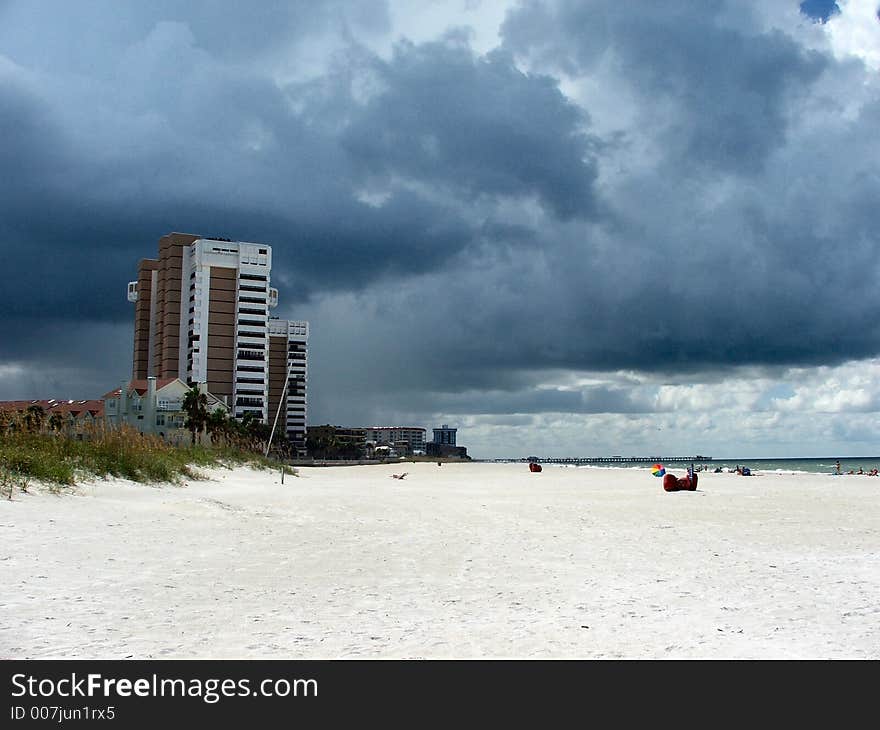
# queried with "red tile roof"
point(74, 407)
point(140, 386)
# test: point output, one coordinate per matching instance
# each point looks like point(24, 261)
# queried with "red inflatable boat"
point(671, 483)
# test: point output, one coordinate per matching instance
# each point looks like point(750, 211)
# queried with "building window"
point(249, 391)
point(251, 355)
point(248, 410)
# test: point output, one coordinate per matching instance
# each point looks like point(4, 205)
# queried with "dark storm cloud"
point(96, 195)
point(62, 358)
point(687, 290)
point(488, 231)
point(66, 217)
point(599, 399)
point(746, 238)
point(477, 127)
point(409, 405)
point(677, 282)
point(716, 94)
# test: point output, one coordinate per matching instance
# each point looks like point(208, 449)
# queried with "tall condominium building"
point(288, 357)
point(202, 315)
point(445, 435)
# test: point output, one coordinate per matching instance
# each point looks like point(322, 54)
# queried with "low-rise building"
point(72, 417)
point(154, 406)
point(404, 440)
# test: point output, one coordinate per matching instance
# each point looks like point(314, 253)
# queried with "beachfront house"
point(76, 418)
point(154, 406)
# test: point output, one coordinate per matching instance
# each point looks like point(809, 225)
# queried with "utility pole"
point(280, 404)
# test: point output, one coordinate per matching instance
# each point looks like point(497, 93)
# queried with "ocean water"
point(825, 465)
point(800, 466)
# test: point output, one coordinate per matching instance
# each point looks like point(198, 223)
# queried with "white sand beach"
point(458, 561)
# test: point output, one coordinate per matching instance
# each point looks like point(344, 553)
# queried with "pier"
point(612, 459)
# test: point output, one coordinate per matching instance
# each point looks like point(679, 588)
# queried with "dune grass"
point(61, 459)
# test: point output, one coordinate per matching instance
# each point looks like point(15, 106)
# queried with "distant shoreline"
point(792, 465)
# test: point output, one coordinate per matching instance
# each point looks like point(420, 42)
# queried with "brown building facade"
point(202, 315)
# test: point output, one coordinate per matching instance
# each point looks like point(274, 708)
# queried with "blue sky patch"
point(819, 10)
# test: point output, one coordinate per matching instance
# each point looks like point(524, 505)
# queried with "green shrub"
point(124, 452)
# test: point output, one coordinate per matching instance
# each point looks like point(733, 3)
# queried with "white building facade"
point(228, 334)
point(405, 440)
point(202, 315)
point(153, 406)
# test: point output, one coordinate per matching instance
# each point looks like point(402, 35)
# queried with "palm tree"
point(255, 432)
point(247, 420)
point(217, 424)
point(323, 442)
point(195, 404)
point(56, 422)
point(33, 418)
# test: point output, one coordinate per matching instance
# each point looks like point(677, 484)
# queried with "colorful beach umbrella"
point(657, 470)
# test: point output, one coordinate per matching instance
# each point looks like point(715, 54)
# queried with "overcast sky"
point(567, 227)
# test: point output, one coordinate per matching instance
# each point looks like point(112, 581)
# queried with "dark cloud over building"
point(663, 189)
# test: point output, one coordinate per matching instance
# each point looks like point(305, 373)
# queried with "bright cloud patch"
point(855, 31)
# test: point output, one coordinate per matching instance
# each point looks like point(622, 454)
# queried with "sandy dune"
point(469, 560)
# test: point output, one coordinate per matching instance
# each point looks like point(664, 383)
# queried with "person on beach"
point(837, 467)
